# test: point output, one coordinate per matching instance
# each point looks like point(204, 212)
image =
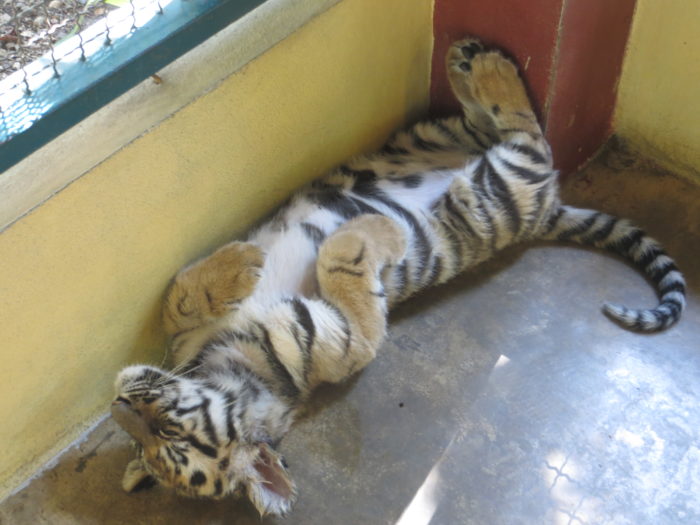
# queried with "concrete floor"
point(505, 397)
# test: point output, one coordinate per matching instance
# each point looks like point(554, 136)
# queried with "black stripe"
point(532, 153)
point(554, 220)
point(343, 204)
point(422, 243)
point(423, 144)
point(183, 411)
point(502, 193)
point(455, 244)
point(600, 234)
point(230, 428)
point(674, 305)
point(340, 269)
point(395, 150)
point(204, 449)
point(514, 130)
point(363, 207)
point(638, 323)
point(675, 286)
point(478, 177)
point(478, 182)
point(649, 256)
point(171, 455)
point(407, 181)
point(472, 134)
point(365, 183)
point(336, 202)
point(149, 375)
point(304, 319)
point(435, 271)
point(660, 317)
point(360, 256)
point(209, 429)
point(657, 274)
point(541, 211)
point(314, 233)
point(452, 211)
point(579, 228)
point(526, 173)
point(626, 243)
point(365, 180)
point(225, 338)
point(182, 458)
point(401, 277)
point(288, 387)
point(447, 132)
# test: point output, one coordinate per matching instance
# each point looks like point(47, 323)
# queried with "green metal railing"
point(90, 69)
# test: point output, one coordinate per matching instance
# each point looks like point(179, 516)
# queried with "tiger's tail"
point(594, 228)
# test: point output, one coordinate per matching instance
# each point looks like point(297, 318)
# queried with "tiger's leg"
point(349, 269)
point(210, 288)
point(512, 188)
point(492, 93)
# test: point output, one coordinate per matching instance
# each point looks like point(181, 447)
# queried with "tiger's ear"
point(269, 487)
point(136, 478)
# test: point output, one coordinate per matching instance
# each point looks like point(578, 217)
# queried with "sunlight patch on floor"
point(425, 502)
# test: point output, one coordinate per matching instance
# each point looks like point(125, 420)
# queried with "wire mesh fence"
point(33, 29)
point(28, 29)
point(64, 59)
point(39, 39)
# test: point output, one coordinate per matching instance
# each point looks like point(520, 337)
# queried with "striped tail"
point(593, 228)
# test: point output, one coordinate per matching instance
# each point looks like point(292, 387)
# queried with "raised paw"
point(212, 287)
point(487, 84)
point(461, 53)
point(368, 240)
point(349, 266)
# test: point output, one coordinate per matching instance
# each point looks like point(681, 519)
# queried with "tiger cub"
point(254, 327)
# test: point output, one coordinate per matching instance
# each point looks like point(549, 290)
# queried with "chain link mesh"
point(38, 37)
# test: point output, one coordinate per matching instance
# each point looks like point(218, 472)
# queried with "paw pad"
point(462, 53)
point(469, 51)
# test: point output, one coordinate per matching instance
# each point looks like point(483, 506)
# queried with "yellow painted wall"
point(658, 107)
point(81, 277)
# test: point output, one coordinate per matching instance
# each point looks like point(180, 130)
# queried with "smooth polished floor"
point(504, 397)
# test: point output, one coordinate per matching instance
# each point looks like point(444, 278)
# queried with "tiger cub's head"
point(203, 438)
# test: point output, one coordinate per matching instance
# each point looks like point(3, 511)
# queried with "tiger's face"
point(192, 438)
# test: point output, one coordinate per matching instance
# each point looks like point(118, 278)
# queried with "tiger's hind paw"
point(462, 52)
point(487, 84)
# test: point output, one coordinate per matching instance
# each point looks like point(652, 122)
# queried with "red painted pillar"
point(570, 52)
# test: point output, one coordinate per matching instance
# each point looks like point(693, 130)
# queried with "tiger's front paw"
point(137, 478)
point(366, 242)
point(212, 287)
